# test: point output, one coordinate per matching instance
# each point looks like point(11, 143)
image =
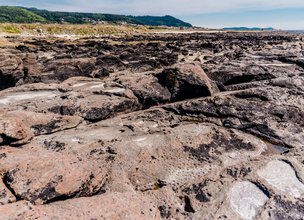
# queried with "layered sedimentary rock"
point(159, 126)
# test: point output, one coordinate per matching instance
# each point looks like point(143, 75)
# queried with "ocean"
point(296, 31)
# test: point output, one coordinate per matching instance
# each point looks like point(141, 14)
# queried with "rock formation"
point(158, 126)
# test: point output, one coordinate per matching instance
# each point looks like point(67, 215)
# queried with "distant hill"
point(248, 29)
point(159, 21)
point(33, 15)
point(18, 15)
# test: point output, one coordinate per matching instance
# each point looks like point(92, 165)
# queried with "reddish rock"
point(169, 126)
point(11, 68)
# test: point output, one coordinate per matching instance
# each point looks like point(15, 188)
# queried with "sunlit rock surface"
point(156, 126)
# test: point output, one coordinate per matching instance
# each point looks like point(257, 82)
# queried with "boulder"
point(186, 81)
point(11, 68)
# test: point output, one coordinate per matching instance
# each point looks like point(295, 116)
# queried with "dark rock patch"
point(285, 209)
point(188, 207)
point(199, 192)
point(54, 146)
point(46, 128)
point(184, 83)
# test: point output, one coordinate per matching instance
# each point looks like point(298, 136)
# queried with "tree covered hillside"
point(18, 15)
point(33, 15)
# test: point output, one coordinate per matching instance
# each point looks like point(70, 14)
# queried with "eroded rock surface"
point(247, 199)
point(158, 126)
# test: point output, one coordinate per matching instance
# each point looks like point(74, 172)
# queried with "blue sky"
point(287, 19)
point(280, 14)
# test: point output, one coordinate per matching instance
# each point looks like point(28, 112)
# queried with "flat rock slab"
point(108, 206)
point(246, 199)
point(18, 127)
point(282, 176)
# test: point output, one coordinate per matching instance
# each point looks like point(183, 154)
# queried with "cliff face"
point(182, 126)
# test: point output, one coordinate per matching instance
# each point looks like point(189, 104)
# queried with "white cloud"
point(207, 13)
point(179, 7)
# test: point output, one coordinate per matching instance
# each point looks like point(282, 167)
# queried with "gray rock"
point(246, 199)
point(282, 176)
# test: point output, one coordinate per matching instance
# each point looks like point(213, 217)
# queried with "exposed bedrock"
point(156, 126)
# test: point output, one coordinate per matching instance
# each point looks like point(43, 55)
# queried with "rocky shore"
point(155, 126)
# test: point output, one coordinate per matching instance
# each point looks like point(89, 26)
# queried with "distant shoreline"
point(296, 31)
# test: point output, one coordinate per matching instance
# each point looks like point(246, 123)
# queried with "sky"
point(280, 14)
